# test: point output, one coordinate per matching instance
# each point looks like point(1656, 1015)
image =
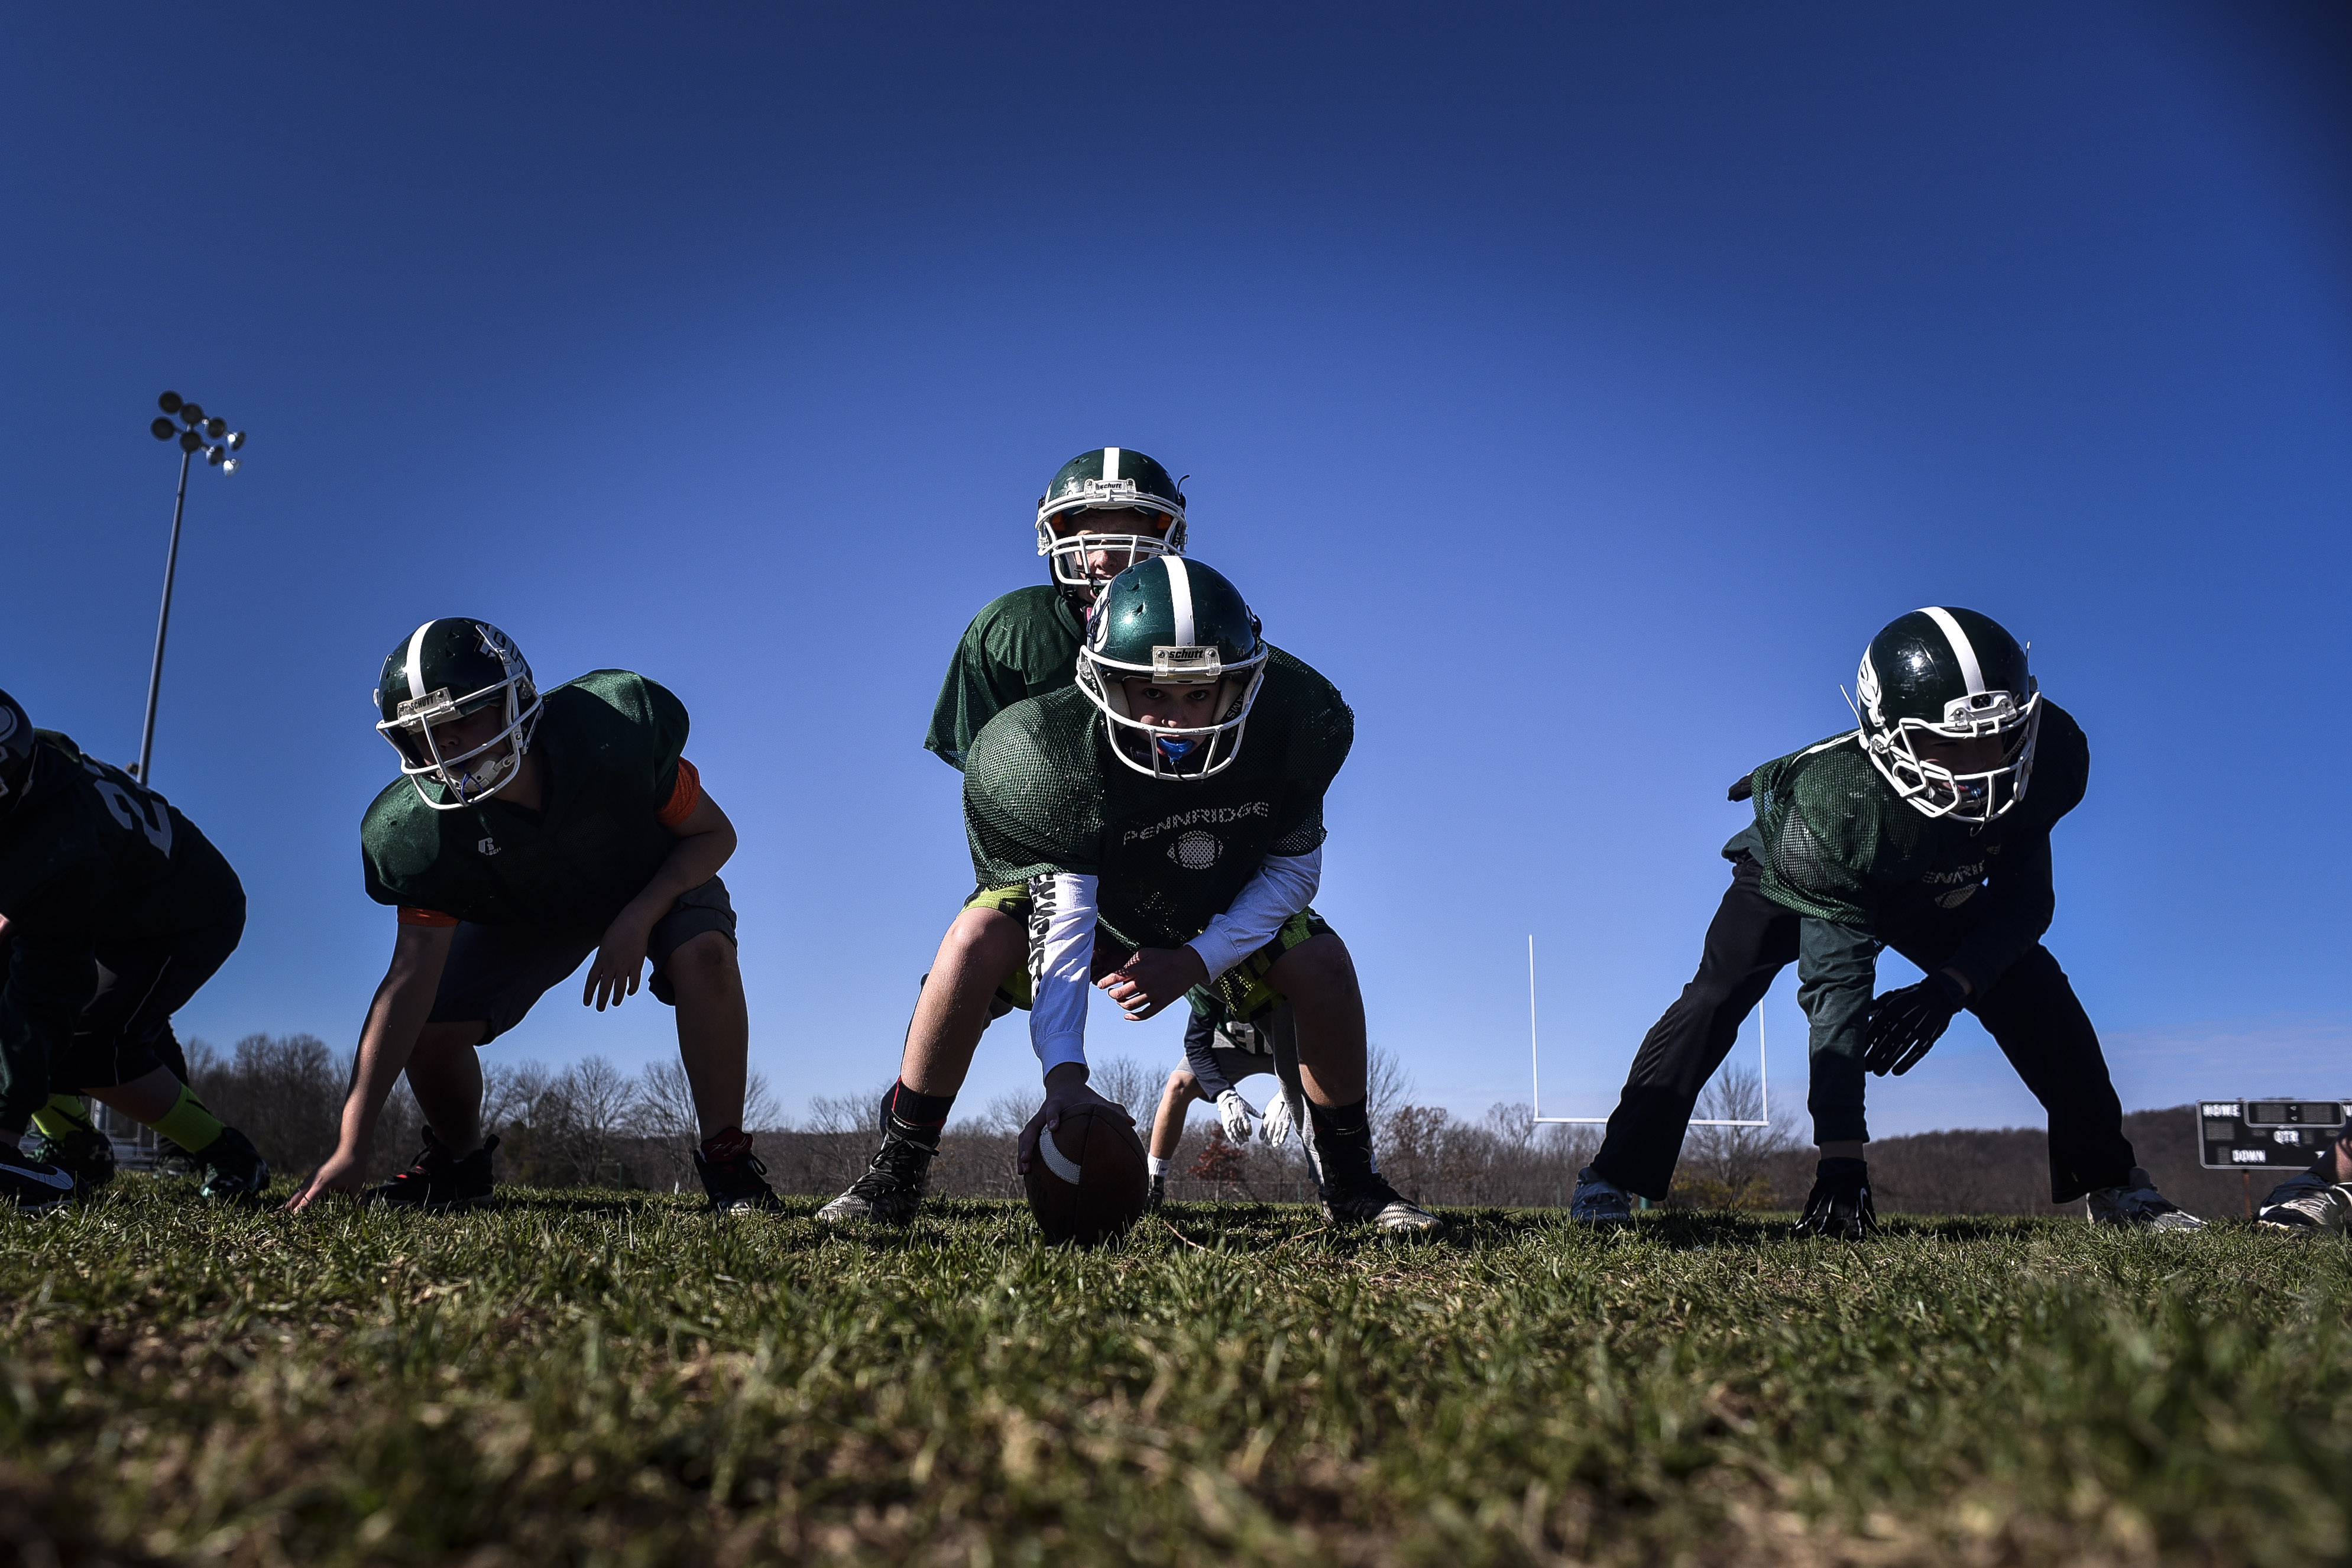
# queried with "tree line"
point(588, 1123)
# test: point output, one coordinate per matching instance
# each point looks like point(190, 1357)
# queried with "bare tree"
point(847, 1112)
point(1128, 1082)
point(1729, 1167)
point(1387, 1085)
point(666, 1103)
point(511, 1093)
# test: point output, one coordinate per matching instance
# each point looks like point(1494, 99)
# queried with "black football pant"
point(2031, 1012)
point(125, 1032)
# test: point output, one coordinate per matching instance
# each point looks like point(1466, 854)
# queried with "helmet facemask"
point(1935, 789)
point(1066, 552)
point(1174, 754)
point(482, 769)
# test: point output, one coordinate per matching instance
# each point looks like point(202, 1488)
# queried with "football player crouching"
point(1915, 831)
point(113, 912)
point(1156, 828)
point(529, 831)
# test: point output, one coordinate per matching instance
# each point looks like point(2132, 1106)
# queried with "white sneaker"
point(2308, 1205)
point(2137, 1205)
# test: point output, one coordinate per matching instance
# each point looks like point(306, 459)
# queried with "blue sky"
point(1577, 386)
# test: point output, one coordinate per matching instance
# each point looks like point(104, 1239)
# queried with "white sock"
point(1158, 1167)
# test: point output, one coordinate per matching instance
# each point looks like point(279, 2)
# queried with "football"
point(1089, 1181)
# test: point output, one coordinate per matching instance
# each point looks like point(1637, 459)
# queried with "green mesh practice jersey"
point(610, 742)
point(1042, 793)
point(1023, 645)
point(1834, 841)
point(87, 857)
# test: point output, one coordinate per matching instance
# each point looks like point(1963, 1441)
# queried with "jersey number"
point(136, 809)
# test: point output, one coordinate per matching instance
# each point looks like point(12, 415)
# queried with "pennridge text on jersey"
point(1193, 818)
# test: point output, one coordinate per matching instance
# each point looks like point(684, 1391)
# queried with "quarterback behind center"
point(1155, 829)
point(527, 832)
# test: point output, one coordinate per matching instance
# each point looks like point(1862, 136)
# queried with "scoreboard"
point(2267, 1135)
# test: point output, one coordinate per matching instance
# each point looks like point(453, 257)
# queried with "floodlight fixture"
point(217, 441)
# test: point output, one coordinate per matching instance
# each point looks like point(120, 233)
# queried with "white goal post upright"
point(1535, 1066)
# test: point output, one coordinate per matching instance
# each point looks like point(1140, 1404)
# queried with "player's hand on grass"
point(1236, 1113)
point(1904, 1023)
point(340, 1174)
point(619, 961)
point(1152, 980)
point(1066, 1090)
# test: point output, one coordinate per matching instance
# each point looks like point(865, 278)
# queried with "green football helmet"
point(1949, 675)
point(1175, 623)
point(1107, 479)
point(445, 670)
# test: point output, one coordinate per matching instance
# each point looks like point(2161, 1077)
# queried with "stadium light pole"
point(220, 444)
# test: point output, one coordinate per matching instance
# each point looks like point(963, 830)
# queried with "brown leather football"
point(1089, 1181)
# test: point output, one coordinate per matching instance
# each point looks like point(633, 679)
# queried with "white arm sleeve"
point(1284, 885)
point(1061, 965)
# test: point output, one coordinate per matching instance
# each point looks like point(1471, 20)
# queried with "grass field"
point(617, 1379)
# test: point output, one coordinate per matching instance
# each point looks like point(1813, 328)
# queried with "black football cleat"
point(1840, 1206)
point(1598, 1201)
point(86, 1151)
point(439, 1180)
point(233, 1169)
point(733, 1175)
point(36, 1186)
point(1368, 1199)
point(892, 1188)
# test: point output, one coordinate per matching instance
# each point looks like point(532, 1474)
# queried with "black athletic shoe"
point(439, 1180)
point(1839, 1206)
point(35, 1185)
point(86, 1151)
point(1159, 1194)
point(1370, 1200)
point(891, 1190)
point(732, 1175)
point(233, 1169)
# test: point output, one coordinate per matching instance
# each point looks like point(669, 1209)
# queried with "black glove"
point(1904, 1023)
point(1839, 1206)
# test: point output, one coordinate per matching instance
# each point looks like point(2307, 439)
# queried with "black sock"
point(1842, 1165)
point(1343, 1138)
point(917, 1118)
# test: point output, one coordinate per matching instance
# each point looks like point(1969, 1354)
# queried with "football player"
point(2319, 1200)
point(113, 912)
point(1219, 1052)
point(527, 832)
point(1915, 831)
point(1124, 825)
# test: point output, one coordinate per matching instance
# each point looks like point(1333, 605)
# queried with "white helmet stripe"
point(1180, 597)
point(416, 662)
point(1110, 464)
point(1962, 649)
